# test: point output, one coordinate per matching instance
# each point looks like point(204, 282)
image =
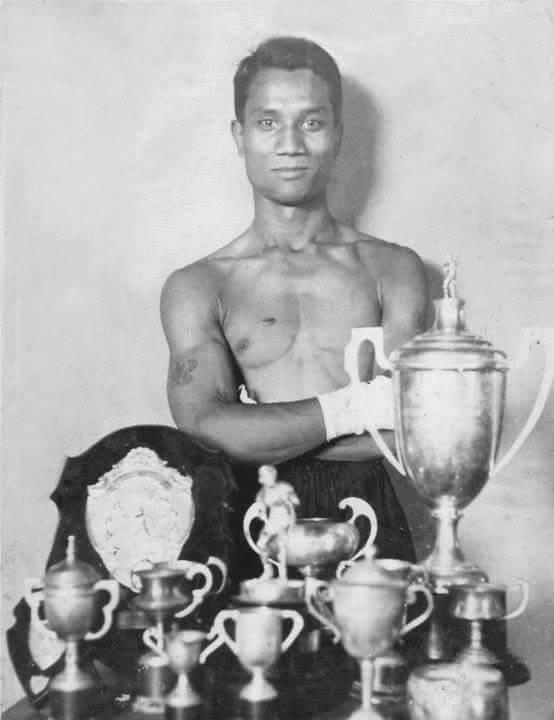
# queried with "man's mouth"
point(290, 172)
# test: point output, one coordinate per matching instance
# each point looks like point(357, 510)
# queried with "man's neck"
point(293, 227)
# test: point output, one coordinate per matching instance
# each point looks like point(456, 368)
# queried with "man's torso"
point(287, 315)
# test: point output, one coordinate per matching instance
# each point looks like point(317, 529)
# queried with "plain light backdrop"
point(119, 167)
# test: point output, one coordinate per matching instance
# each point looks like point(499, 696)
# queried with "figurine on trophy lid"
point(69, 593)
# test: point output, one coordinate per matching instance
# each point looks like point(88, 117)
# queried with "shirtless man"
point(274, 308)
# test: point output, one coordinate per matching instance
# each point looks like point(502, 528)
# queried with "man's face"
point(289, 138)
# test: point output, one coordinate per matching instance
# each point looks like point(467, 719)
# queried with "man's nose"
point(290, 141)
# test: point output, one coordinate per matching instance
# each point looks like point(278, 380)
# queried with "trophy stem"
point(72, 678)
point(446, 563)
point(258, 689)
point(183, 695)
point(366, 673)
point(476, 653)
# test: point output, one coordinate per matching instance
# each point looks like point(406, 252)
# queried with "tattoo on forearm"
point(181, 371)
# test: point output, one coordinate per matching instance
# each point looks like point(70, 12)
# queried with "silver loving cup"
point(369, 615)
point(449, 396)
point(313, 544)
point(258, 643)
point(69, 592)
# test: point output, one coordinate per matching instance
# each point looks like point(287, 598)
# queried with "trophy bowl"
point(313, 544)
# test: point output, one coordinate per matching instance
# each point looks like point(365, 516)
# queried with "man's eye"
point(267, 123)
point(312, 124)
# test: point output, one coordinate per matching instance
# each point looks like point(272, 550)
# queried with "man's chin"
point(294, 199)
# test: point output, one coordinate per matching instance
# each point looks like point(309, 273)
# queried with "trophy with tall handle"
point(69, 593)
point(449, 395)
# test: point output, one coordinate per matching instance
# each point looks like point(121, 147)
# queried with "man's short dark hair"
point(287, 53)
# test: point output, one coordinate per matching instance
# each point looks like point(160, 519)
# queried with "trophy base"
point(72, 705)
point(185, 712)
point(148, 706)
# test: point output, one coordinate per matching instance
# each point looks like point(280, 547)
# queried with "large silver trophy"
point(449, 395)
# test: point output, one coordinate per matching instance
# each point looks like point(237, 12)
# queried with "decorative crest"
point(139, 513)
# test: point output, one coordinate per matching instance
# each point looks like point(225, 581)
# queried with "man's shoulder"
point(383, 255)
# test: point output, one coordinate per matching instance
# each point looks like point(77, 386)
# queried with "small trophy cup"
point(477, 603)
point(183, 649)
point(161, 598)
point(258, 644)
point(70, 593)
point(369, 610)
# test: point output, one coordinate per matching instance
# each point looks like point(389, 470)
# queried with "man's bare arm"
point(202, 387)
point(404, 300)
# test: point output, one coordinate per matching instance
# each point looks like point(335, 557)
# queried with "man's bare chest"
point(292, 311)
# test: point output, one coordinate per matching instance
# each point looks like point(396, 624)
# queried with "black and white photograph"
point(277, 341)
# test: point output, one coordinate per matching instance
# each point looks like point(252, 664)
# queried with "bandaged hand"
point(354, 409)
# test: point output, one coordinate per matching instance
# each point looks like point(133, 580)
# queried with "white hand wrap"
point(353, 409)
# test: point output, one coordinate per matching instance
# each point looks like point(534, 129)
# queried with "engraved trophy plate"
point(139, 513)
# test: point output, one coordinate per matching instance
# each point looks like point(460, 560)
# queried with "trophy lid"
point(368, 572)
point(71, 572)
point(448, 345)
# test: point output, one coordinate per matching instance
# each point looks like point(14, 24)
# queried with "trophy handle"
point(256, 510)
point(375, 336)
point(360, 508)
point(222, 567)
point(198, 594)
point(524, 587)
point(311, 593)
point(153, 640)
point(531, 336)
point(220, 634)
point(111, 587)
point(296, 629)
point(358, 335)
point(34, 595)
point(422, 617)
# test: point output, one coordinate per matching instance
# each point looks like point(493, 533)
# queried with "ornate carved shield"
point(139, 513)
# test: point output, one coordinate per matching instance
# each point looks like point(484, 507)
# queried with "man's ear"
point(338, 130)
point(236, 130)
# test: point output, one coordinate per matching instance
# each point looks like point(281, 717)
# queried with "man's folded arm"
point(203, 390)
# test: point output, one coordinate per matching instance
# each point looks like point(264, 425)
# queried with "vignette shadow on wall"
point(356, 170)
